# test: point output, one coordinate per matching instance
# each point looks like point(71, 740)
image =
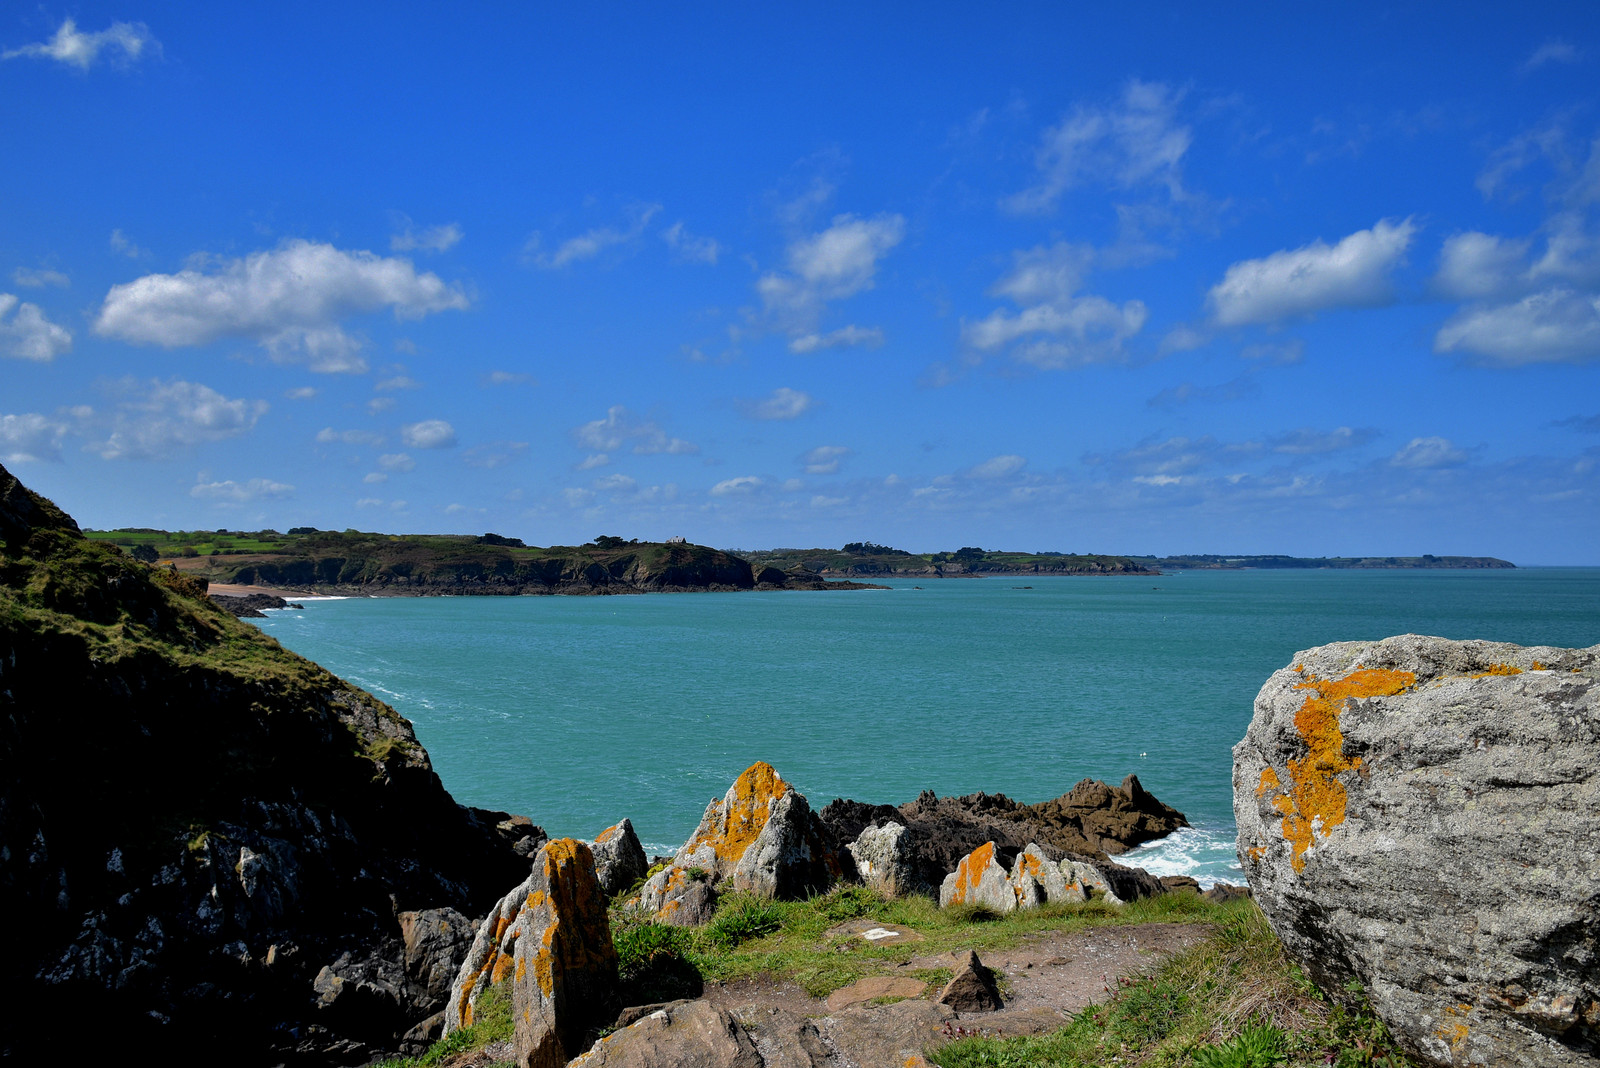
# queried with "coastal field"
point(578, 711)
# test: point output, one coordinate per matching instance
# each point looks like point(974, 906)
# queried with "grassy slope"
point(1202, 1008)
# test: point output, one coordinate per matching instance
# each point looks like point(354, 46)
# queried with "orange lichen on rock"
point(744, 814)
point(1031, 865)
point(1315, 802)
point(1269, 781)
point(969, 873)
point(1501, 669)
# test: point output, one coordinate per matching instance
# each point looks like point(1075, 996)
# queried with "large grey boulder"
point(885, 860)
point(619, 858)
point(1422, 816)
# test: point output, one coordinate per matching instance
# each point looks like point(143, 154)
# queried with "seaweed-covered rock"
point(760, 837)
point(1419, 816)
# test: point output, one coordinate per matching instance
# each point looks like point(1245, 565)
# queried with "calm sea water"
point(578, 711)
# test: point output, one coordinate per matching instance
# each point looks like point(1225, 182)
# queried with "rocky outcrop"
point(564, 982)
point(885, 862)
point(1091, 820)
point(760, 837)
point(1419, 816)
point(619, 858)
point(682, 1034)
point(212, 841)
point(1039, 875)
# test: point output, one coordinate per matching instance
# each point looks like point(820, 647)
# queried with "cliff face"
point(194, 822)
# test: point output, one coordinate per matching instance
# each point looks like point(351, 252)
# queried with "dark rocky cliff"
point(195, 824)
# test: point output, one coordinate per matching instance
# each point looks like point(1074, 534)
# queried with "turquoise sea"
point(578, 711)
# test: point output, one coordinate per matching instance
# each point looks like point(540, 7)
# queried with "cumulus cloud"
point(824, 459)
point(620, 428)
point(1554, 326)
point(1302, 281)
point(836, 263)
point(120, 243)
point(29, 437)
point(589, 245)
point(428, 434)
point(428, 239)
point(396, 461)
point(231, 492)
point(784, 403)
point(1308, 442)
point(618, 484)
point(744, 484)
point(28, 335)
point(589, 463)
point(1054, 327)
point(998, 467)
point(290, 300)
point(123, 43)
point(1475, 266)
point(39, 278)
point(1134, 142)
point(690, 247)
point(494, 454)
point(301, 393)
point(1166, 462)
point(844, 337)
point(508, 378)
point(155, 419)
point(1428, 453)
point(396, 382)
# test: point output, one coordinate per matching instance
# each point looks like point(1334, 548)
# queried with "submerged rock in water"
point(1420, 816)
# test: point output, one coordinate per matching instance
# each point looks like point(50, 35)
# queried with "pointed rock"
point(979, 880)
point(972, 988)
point(619, 858)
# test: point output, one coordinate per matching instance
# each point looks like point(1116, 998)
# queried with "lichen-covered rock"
point(760, 837)
point(1421, 816)
point(1036, 878)
point(979, 880)
point(619, 858)
point(884, 860)
point(489, 959)
point(682, 1034)
point(564, 983)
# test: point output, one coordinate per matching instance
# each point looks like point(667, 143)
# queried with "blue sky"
point(1299, 280)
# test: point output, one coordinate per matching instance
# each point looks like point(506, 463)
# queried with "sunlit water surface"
point(578, 711)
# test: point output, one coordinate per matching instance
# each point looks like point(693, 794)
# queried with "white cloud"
point(301, 393)
point(838, 262)
point(121, 243)
point(819, 501)
point(78, 49)
point(429, 239)
point(998, 467)
point(1309, 442)
point(156, 419)
point(577, 497)
point(1353, 273)
point(1476, 266)
point(589, 245)
point(38, 279)
point(290, 300)
point(589, 463)
point(824, 459)
point(784, 403)
point(428, 434)
point(327, 435)
point(1428, 453)
point(380, 404)
point(1554, 326)
point(508, 378)
point(402, 381)
point(1554, 50)
point(1059, 329)
point(232, 492)
point(370, 502)
point(619, 427)
point(374, 478)
point(733, 486)
point(844, 337)
point(691, 247)
point(618, 484)
point(30, 436)
point(1135, 142)
point(396, 461)
point(29, 335)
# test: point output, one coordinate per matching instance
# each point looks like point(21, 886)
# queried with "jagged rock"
point(564, 983)
point(1222, 893)
point(972, 988)
point(1419, 816)
point(760, 837)
point(884, 860)
point(979, 880)
point(618, 857)
point(489, 959)
point(436, 941)
point(415, 1042)
point(1091, 820)
point(682, 1034)
point(1173, 883)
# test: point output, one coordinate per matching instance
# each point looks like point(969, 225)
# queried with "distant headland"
point(305, 560)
